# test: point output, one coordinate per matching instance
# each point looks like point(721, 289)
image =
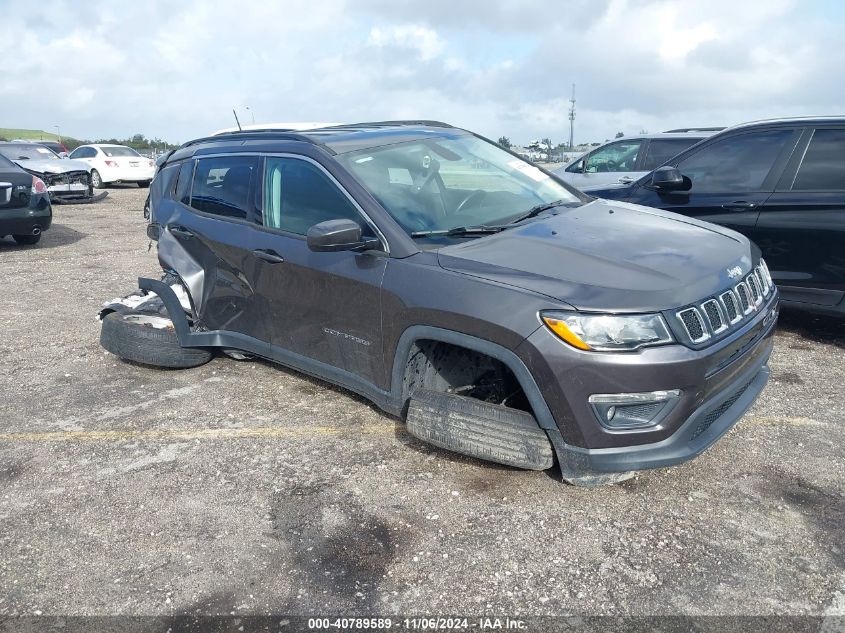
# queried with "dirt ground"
point(242, 487)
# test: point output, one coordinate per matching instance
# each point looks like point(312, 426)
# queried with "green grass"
point(37, 135)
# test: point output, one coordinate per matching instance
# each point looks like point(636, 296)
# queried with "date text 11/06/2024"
point(418, 624)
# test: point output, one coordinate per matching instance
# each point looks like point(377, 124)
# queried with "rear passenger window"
point(823, 166)
point(661, 150)
point(222, 186)
point(298, 195)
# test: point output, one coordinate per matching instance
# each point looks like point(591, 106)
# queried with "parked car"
point(508, 315)
point(624, 160)
point(66, 180)
point(781, 183)
point(115, 163)
point(25, 210)
point(55, 146)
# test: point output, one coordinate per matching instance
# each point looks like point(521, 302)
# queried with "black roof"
point(339, 139)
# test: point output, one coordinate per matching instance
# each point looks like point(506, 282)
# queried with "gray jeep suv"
point(504, 314)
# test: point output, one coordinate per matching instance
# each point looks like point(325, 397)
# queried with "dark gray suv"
point(504, 314)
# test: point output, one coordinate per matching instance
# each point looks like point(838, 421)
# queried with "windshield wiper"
point(535, 211)
point(458, 231)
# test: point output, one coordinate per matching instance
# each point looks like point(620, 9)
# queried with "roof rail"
point(306, 136)
point(368, 124)
point(694, 129)
point(246, 135)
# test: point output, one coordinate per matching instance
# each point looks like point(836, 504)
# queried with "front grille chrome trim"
point(705, 334)
point(744, 295)
point(723, 320)
point(754, 287)
point(734, 301)
point(715, 315)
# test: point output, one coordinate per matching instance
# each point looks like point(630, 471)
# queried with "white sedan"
point(115, 163)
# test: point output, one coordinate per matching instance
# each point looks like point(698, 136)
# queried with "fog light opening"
point(627, 411)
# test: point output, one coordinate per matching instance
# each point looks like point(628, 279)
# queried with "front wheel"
point(96, 180)
point(143, 184)
point(148, 339)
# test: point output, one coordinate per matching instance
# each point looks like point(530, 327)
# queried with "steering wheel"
point(479, 194)
point(611, 164)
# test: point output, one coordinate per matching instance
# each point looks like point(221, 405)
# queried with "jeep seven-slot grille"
point(729, 301)
point(716, 315)
point(744, 301)
point(694, 324)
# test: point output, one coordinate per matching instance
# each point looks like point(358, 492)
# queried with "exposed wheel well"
point(450, 368)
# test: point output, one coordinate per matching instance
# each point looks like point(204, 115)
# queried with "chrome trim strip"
point(705, 333)
point(722, 316)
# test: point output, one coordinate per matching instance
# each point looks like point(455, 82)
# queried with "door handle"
point(739, 205)
point(268, 255)
point(180, 232)
point(626, 180)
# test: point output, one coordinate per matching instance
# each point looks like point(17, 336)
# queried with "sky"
point(176, 69)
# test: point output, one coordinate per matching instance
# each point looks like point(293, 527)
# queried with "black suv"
point(507, 315)
point(782, 184)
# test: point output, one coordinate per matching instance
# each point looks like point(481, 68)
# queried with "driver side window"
point(298, 195)
point(738, 163)
point(621, 156)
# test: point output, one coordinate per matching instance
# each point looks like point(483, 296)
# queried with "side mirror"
point(668, 179)
point(338, 235)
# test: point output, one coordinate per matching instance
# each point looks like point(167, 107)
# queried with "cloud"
point(176, 69)
point(424, 41)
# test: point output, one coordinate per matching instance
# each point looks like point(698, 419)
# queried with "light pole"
point(252, 113)
point(572, 118)
point(58, 132)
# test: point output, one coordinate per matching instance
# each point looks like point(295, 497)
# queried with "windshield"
point(119, 151)
point(27, 152)
point(445, 183)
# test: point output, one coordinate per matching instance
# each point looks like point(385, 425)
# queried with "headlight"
point(608, 332)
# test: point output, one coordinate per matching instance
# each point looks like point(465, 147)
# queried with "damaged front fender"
point(146, 302)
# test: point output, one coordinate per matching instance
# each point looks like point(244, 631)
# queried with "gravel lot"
point(243, 487)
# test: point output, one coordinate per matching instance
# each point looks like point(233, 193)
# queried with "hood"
point(608, 256)
point(53, 166)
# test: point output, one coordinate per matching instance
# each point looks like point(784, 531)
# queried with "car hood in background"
point(609, 256)
point(53, 166)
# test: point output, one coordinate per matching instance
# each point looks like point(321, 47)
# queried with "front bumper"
point(717, 385)
point(701, 430)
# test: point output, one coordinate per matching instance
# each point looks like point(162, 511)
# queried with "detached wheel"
point(143, 184)
point(150, 340)
point(27, 240)
point(96, 180)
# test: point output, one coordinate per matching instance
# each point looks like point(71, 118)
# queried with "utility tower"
point(572, 119)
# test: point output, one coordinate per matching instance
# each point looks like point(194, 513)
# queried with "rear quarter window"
point(823, 167)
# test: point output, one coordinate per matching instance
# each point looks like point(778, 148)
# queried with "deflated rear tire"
point(132, 337)
point(479, 429)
